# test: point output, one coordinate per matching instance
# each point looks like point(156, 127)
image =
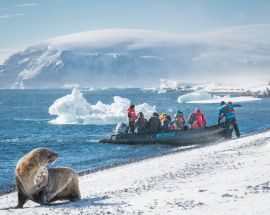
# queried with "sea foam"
point(74, 109)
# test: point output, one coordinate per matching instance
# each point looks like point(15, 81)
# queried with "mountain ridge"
point(136, 58)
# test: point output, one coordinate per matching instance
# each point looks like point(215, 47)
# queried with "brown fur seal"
point(39, 184)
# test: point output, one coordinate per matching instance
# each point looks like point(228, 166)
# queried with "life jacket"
point(228, 112)
point(131, 114)
point(183, 120)
point(195, 125)
point(199, 122)
point(178, 123)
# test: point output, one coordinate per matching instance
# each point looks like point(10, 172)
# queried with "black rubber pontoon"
point(190, 136)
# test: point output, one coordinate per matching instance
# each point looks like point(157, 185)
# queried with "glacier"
point(140, 58)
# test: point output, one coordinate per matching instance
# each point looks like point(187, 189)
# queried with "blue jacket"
point(227, 110)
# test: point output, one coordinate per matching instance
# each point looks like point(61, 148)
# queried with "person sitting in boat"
point(154, 123)
point(191, 118)
point(227, 111)
point(131, 119)
point(162, 117)
point(166, 125)
point(197, 119)
point(140, 124)
point(179, 121)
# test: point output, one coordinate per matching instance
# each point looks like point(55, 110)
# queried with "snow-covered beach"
point(231, 177)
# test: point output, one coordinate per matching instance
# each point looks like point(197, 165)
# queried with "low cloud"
point(8, 16)
point(25, 5)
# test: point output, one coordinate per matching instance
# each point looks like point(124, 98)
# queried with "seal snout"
point(53, 157)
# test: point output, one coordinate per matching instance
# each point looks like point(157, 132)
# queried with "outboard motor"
point(121, 128)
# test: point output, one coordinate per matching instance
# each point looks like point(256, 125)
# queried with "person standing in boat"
point(131, 119)
point(154, 123)
point(227, 111)
point(197, 119)
point(140, 124)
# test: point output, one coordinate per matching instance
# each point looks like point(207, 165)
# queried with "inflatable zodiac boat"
point(191, 136)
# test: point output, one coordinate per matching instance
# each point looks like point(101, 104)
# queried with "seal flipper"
point(75, 199)
point(39, 197)
point(22, 199)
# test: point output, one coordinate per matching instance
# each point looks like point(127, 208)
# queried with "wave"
point(74, 109)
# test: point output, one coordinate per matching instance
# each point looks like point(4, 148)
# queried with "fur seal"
point(41, 185)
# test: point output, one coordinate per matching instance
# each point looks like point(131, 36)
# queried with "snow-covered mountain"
point(135, 58)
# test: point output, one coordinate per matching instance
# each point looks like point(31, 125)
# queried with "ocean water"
point(24, 125)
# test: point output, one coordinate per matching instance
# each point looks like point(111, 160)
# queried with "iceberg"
point(74, 109)
point(197, 95)
point(169, 84)
point(203, 97)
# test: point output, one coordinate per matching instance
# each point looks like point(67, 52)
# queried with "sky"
point(28, 22)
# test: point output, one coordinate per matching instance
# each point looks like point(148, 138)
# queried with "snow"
point(229, 177)
point(233, 54)
point(24, 60)
point(74, 109)
point(203, 97)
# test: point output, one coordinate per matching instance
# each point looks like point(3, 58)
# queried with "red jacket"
point(200, 120)
point(131, 114)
